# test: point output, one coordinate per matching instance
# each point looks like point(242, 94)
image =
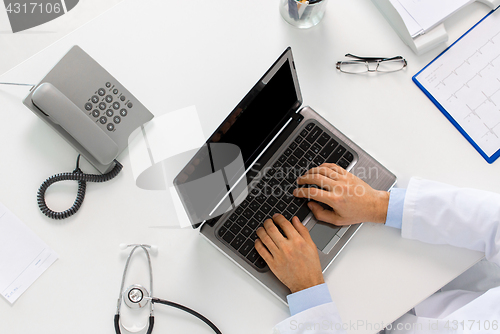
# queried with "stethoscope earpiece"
point(153, 249)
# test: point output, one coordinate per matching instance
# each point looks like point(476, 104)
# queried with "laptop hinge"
point(297, 117)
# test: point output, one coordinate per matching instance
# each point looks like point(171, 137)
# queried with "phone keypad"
point(103, 103)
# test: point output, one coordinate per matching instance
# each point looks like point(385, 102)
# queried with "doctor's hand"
point(349, 199)
point(294, 258)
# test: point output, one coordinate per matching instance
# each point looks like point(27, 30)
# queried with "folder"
point(464, 83)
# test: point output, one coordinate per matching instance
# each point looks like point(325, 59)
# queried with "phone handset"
point(54, 104)
point(75, 122)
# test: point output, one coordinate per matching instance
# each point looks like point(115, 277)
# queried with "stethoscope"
point(137, 296)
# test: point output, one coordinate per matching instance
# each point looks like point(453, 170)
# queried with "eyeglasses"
point(371, 64)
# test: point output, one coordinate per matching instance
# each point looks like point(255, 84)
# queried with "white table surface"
point(176, 54)
point(17, 47)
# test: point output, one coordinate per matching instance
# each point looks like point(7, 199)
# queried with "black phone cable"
point(188, 310)
point(76, 175)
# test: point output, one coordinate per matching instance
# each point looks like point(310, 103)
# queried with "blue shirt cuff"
point(308, 298)
point(395, 209)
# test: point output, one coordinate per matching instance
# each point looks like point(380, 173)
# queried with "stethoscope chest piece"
point(136, 296)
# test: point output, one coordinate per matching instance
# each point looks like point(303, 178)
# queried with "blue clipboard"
point(489, 159)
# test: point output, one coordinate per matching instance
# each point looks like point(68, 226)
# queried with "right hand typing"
point(350, 200)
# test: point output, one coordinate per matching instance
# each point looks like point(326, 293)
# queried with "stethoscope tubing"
point(188, 310)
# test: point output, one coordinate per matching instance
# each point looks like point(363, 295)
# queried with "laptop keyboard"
point(274, 192)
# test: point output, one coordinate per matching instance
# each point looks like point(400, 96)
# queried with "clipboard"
point(448, 81)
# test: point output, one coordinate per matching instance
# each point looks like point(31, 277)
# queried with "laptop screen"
point(248, 129)
point(262, 113)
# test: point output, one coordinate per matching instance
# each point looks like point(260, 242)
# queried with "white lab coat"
point(439, 214)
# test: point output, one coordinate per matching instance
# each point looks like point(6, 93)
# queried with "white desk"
point(22, 45)
point(176, 54)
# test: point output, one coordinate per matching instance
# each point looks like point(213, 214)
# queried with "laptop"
point(276, 140)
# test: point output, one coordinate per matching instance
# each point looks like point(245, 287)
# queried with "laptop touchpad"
point(322, 234)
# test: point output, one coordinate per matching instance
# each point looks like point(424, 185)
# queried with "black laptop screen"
point(250, 127)
point(260, 115)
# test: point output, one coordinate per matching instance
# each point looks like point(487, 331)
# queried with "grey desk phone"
point(92, 111)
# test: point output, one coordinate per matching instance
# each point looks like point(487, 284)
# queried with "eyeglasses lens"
point(353, 67)
point(391, 65)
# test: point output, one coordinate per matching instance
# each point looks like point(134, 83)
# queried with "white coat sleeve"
point(321, 319)
point(441, 214)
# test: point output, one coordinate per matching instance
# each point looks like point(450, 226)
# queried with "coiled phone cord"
point(76, 175)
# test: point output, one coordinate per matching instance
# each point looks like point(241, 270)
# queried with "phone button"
point(115, 91)
point(123, 112)
point(101, 91)
point(110, 127)
point(109, 112)
point(103, 120)
point(95, 99)
point(130, 105)
point(102, 106)
point(88, 106)
point(96, 113)
point(116, 105)
point(109, 98)
point(117, 119)
point(108, 84)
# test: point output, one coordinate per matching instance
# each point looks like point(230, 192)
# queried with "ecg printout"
point(23, 256)
point(465, 80)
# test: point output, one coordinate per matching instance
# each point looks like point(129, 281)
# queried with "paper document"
point(413, 27)
point(421, 16)
point(465, 81)
point(23, 256)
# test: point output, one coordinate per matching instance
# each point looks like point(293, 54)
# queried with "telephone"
point(92, 111)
